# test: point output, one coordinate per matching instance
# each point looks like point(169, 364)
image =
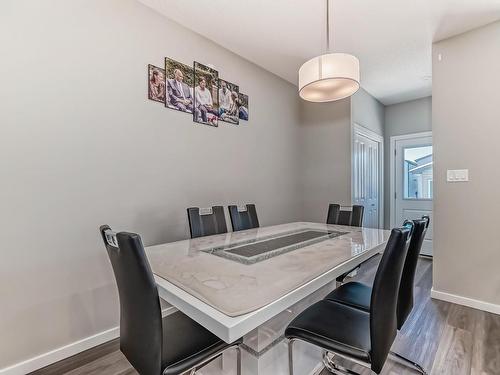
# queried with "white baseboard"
point(69, 350)
point(465, 301)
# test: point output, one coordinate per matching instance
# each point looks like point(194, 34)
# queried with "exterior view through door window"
point(418, 172)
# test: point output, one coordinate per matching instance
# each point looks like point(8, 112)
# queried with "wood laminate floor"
point(443, 337)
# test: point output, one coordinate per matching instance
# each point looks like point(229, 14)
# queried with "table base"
point(265, 350)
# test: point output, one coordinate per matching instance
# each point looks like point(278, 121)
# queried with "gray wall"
point(325, 148)
point(465, 116)
point(81, 146)
point(414, 116)
point(367, 111)
point(370, 114)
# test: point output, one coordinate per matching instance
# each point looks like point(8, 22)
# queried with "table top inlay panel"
point(264, 249)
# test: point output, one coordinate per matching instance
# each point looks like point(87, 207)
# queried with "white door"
point(366, 178)
point(413, 171)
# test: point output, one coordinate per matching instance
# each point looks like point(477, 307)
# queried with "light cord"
point(328, 26)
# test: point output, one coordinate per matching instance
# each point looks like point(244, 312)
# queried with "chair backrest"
point(207, 221)
point(140, 311)
point(345, 217)
point(384, 298)
point(405, 299)
point(243, 219)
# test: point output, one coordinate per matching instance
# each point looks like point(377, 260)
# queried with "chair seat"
point(353, 294)
point(334, 327)
point(186, 344)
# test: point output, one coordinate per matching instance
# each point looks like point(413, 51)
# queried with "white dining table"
point(234, 283)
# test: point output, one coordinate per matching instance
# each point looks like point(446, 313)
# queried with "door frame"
point(361, 130)
point(392, 168)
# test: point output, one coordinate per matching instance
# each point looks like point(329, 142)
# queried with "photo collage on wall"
point(197, 90)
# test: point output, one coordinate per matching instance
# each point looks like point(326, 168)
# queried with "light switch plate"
point(457, 175)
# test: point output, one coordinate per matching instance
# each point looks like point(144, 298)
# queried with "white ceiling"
point(392, 38)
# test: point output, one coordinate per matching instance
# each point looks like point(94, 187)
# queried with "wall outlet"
point(457, 175)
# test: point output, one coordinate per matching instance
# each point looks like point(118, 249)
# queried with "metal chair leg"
point(327, 361)
point(193, 370)
point(238, 360)
point(335, 368)
point(407, 362)
point(290, 355)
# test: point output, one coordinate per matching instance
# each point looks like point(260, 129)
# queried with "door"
point(366, 177)
point(413, 171)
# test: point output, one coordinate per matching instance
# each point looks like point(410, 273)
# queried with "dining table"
point(252, 283)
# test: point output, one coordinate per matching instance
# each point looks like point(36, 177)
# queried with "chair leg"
point(407, 362)
point(238, 360)
point(290, 355)
point(327, 361)
point(335, 368)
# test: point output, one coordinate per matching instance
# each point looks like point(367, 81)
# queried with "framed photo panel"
point(228, 102)
point(206, 101)
point(156, 84)
point(180, 83)
point(243, 106)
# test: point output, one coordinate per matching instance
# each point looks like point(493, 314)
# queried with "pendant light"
point(329, 77)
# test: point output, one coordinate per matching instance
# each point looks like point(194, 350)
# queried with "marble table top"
point(235, 288)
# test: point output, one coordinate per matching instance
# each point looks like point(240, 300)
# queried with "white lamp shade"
point(329, 77)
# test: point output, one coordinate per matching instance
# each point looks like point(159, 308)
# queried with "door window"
point(417, 172)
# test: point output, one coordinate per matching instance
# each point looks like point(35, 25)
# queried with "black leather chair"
point(358, 295)
point(354, 218)
point(363, 337)
point(206, 222)
point(337, 216)
point(243, 219)
point(154, 346)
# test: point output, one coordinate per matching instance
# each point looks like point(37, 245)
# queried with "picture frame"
point(206, 98)
point(179, 86)
point(243, 110)
point(228, 102)
point(156, 83)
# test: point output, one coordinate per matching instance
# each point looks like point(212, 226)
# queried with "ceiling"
point(392, 38)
